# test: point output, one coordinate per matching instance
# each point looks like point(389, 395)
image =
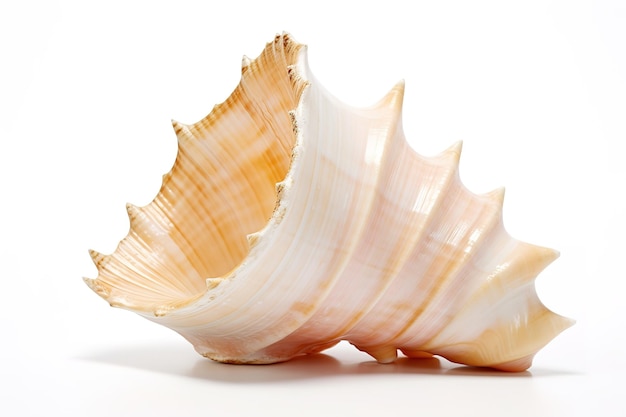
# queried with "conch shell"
point(291, 221)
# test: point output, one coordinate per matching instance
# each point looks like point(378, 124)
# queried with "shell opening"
point(291, 221)
point(221, 189)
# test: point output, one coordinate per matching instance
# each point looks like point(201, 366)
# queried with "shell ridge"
point(187, 253)
point(530, 335)
point(146, 281)
point(417, 342)
point(385, 350)
point(158, 210)
point(501, 347)
point(452, 152)
point(186, 138)
point(497, 197)
point(290, 220)
point(282, 210)
point(399, 339)
point(294, 177)
point(422, 337)
point(392, 102)
point(451, 168)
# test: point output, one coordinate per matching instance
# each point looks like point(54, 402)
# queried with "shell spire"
point(291, 221)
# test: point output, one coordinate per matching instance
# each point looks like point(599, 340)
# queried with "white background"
point(535, 89)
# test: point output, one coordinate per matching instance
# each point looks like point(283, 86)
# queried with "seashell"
point(291, 221)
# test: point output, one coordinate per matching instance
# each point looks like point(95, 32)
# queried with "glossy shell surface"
point(291, 221)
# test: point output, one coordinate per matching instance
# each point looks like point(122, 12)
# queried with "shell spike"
point(212, 283)
point(455, 149)
point(497, 195)
point(253, 239)
point(176, 125)
point(245, 63)
point(98, 287)
point(181, 130)
point(98, 259)
point(394, 98)
point(543, 256)
point(398, 90)
point(383, 354)
point(291, 221)
point(133, 211)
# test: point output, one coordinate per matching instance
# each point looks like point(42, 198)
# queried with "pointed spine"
point(253, 239)
point(99, 259)
point(497, 196)
point(245, 64)
point(182, 130)
point(132, 211)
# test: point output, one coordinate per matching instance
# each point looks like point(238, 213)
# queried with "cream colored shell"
point(291, 221)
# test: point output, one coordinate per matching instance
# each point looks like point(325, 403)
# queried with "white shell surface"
point(362, 239)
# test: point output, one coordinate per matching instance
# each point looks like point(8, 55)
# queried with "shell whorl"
point(291, 221)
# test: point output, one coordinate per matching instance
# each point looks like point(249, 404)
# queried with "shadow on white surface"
point(175, 360)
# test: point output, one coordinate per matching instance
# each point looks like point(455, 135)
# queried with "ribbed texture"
point(221, 188)
point(291, 221)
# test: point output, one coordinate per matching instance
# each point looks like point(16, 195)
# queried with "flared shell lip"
point(298, 73)
point(218, 290)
